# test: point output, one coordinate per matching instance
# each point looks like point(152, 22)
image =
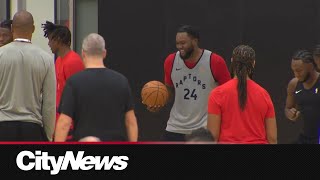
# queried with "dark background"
point(141, 33)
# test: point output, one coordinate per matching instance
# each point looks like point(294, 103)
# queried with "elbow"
point(64, 126)
point(132, 125)
point(272, 140)
point(131, 122)
point(214, 133)
point(63, 123)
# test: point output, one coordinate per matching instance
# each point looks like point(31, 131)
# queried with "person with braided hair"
point(241, 111)
point(303, 96)
point(5, 32)
point(68, 61)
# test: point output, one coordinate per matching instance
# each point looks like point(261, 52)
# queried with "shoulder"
point(170, 57)
point(118, 79)
point(293, 81)
point(79, 76)
point(219, 93)
point(7, 49)
point(225, 87)
point(42, 52)
point(72, 58)
point(292, 84)
point(258, 87)
point(38, 49)
point(113, 75)
point(74, 55)
point(216, 58)
point(117, 74)
point(169, 62)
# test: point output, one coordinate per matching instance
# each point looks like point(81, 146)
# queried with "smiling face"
point(5, 36)
point(185, 44)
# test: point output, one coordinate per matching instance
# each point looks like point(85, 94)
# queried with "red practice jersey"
point(247, 126)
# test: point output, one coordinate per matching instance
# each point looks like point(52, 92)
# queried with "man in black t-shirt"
point(98, 99)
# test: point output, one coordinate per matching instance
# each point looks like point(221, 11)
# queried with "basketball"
point(154, 93)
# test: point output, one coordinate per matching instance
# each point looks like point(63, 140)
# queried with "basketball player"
point(27, 86)
point(316, 56)
point(68, 61)
point(191, 73)
point(303, 96)
point(98, 99)
point(5, 32)
point(241, 111)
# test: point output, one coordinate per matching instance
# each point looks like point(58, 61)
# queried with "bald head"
point(22, 22)
point(94, 45)
point(90, 139)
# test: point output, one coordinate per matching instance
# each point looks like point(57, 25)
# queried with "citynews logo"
point(42, 161)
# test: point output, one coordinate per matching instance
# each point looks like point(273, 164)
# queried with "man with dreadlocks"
point(303, 96)
point(68, 61)
point(241, 111)
point(5, 32)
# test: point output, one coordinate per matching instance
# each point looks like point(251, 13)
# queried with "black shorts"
point(171, 136)
point(307, 140)
point(21, 131)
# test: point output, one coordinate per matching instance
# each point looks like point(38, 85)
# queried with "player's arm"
point(290, 111)
point(214, 122)
point(271, 130)
point(168, 64)
point(62, 129)
point(49, 102)
point(130, 117)
point(167, 81)
point(66, 110)
point(131, 126)
point(270, 121)
point(170, 93)
point(219, 69)
point(214, 114)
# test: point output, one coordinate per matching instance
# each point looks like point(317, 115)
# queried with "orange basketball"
point(154, 93)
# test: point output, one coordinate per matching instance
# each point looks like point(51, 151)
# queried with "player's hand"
point(154, 108)
point(293, 114)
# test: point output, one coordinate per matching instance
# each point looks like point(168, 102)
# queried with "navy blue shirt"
point(308, 102)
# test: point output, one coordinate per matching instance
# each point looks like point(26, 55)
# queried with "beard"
point(306, 78)
point(188, 53)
